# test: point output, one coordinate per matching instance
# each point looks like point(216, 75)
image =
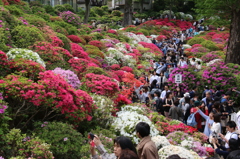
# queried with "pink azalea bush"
point(101, 85)
point(77, 51)
point(189, 78)
point(219, 74)
point(69, 76)
point(127, 69)
point(209, 57)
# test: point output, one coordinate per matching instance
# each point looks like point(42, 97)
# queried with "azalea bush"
point(126, 121)
point(52, 55)
point(190, 78)
point(69, 76)
point(64, 139)
point(97, 43)
point(74, 38)
point(77, 51)
point(101, 85)
point(218, 74)
point(209, 57)
point(26, 54)
point(24, 146)
point(195, 40)
point(71, 18)
point(160, 141)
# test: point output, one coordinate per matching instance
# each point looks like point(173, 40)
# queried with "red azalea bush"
point(74, 38)
point(51, 92)
point(27, 68)
point(101, 85)
point(127, 69)
point(161, 37)
point(112, 31)
point(53, 56)
point(3, 58)
point(151, 46)
point(97, 43)
point(115, 67)
point(196, 45)
point(120, 74)
point(79, 66)
point(77, 51)
point(56, 41)
point(121, 100)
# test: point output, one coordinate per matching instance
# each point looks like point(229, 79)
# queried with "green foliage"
point(24, 36)
point(140, 15)
point(195, 40)
point(35, 3)
point(96, 70)
point(68, 7)
point(144, 31)
point(209, 45)
point(23, 146)
point(37, 9)
point(4, 39)
point(65, 40)
point(25, 7)
point(72, 30)
point(97, 36)
point(99, 11)
point(45, 16)
point(116, 13)
point(49, 9)
point(59, 8)
point(65, 141)
point(129, 29)
point(58, 28)
point(8, 19)
point(15, 10)
point(35, 20)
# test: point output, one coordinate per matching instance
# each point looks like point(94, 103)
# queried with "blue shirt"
point(207, 130)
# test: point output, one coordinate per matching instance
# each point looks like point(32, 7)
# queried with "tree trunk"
point(128, 13)
point(170, 15)
point(141, 6)
point(87, 11)
point(233, 50)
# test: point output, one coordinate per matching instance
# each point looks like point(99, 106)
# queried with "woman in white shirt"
point(215, 127)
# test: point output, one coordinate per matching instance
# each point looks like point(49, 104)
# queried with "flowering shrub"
point(210, 45)
point(172, 150)
point(105, 107)
point(127, 69)
point(24, 146)
point(79, 66)
point(127, 120)
point(62, 135)
point(177, 137)
point(26, 68)
point(95, 53)
point(160, 141)
point(69, 76)
point(219, 74)
point(77, 51)
point(196, 40)
point(71, 18)
point(189, 78)
point(53, 56)
point(209, 57)
point(74, 38)
point(112, 31)
point(115, 67)
point(153, 47)
point(101, 85)
point(26, 54)
point(56, 41)
point(121, 100)
point(97, 43)
point(196, 45)
point(201, 137)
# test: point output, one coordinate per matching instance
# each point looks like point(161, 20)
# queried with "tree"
point(229, 9)
point(87, 11)
point(128, 13)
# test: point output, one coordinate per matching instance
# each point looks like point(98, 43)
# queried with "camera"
point(215, 135)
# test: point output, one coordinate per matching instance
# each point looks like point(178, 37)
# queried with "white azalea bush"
point(127, 120)
point(18, 53)
point(111, 61)
point(144, 38)
point(129, 61)
point(172, 150)
point(187, 46)
point(105, 107)
point(213, 61)
point(188, 16)
point(160, 141)
point(115, 53)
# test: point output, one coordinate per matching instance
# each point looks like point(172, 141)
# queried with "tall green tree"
point(229, 9)
point(128, 13)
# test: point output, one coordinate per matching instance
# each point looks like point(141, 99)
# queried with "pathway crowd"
point(210, 110)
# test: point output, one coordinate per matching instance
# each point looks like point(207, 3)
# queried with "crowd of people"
point(209, 110)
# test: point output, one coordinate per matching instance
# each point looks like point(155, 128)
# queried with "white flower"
point(17, 53)
point(182, 152)
point(213, 61)
point(127, 119)
point(160, 141)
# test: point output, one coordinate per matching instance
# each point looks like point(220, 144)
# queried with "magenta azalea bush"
point(71, 18)
point(209, 57)
point(189, 78)
point(69, 76)
point(219, 74)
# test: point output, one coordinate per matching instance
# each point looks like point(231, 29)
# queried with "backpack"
point(191, 121)
point(237, 139)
